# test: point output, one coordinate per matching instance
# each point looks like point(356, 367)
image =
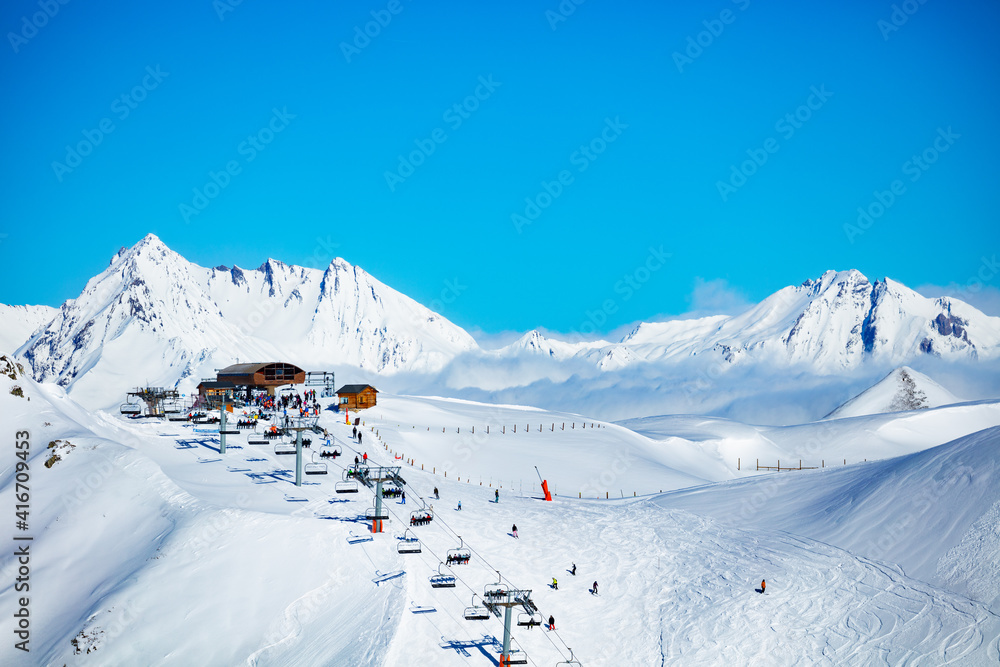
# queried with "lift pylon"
point(376, 475)
point(499, 596)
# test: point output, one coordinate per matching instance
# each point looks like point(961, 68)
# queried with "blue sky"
point(725, 145)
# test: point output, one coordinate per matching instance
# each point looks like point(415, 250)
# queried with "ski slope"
point(159, 550)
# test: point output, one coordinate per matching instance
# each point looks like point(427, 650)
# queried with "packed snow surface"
point(151, 547)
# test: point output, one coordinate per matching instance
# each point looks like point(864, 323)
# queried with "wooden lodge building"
point(247, 377)
point(356, 396)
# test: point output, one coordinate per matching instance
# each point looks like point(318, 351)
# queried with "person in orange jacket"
point(763, 585)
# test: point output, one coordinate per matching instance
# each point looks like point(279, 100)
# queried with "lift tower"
point(499, 596)
point(375, 475)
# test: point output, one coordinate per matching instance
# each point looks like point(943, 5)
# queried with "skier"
point(552, 623)
point(364, 457)
point(595, 588)
point(513, 531)
point(355, 432)
point(436, 496)
point(555, 584)
point(573, 571)
point(459, 505)
point(403, 496)
point(763, 584)
point(359, 438)
point(496, 494)
point(356, 461)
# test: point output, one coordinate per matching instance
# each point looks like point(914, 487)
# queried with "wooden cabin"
point(210, 392)
point(356, 396)
point(261, 376)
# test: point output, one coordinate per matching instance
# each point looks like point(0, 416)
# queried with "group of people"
point(393, 493)
point(246, 423)
point(421, 519)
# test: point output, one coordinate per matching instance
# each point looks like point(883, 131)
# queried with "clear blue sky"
point(322, 178)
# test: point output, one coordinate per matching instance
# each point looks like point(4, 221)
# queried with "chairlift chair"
point(460, 555)
point(476, 612)
point(284, 448)
point(346, 486)
point(178, 418)
point(130, 408)
point(409, 544)
point(315, 467)
point(373, 513)
point(421, 517)
point(229, 431)
point(442, 580)
point(257, 439)
point(529, 620)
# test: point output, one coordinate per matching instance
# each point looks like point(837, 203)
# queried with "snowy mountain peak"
point(902, 389)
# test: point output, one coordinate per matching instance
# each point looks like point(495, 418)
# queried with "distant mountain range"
point(153, 317)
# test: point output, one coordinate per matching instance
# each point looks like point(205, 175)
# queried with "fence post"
point(737, 463)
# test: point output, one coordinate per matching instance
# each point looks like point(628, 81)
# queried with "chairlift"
point(476, 612)
point(178, 418)
point(572, 662)
point(333, 451)
point(421, 517)
point(347, 485)
point(130, 408)
point(529, 620)
point(442, 580)
point(516, 657)
point(315, 467)
point(257, 439)
point(460, 555)
point(408, 544)
point(284, 448)
point(374, 513)
point(229, 431)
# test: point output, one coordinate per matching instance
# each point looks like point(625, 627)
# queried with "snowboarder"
point(436, 496)
point(403, 496)
point(496, 495)
point(555, 584)
point(595, 589)
point(552, 623)
point(573, 571)
point(513, 531)
point(459, 505)
point(763, 585)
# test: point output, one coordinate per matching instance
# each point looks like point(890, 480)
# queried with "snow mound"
point(902, 389)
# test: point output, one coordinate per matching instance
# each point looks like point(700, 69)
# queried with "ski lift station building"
point(356, 396)
point(266, 376)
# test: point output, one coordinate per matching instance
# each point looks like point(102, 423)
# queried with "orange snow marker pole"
point(545, 488)
point(347, 417)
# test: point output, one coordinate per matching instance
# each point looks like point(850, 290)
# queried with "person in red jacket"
point(763, 585)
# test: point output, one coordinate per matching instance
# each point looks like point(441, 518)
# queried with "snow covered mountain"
point(832, 324)
point(153, 317)
point(902, 389)
point(19, 322)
